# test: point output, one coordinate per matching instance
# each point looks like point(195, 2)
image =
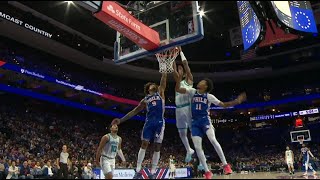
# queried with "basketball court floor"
point(266, 175)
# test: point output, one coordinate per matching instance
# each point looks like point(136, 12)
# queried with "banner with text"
point(122, 21)
point(26, 25)
point(162, 173)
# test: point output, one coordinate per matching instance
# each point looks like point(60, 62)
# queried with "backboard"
point(296, 135)
point(177, 22)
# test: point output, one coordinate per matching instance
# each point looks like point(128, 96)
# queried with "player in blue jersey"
point(306, 161)
point(154, 126)
point(201, 125)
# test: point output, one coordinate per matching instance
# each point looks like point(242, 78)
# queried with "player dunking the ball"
point(183, 111)
point(201, 101)
point(289, 160)
point(109, 147)
point(154, 125)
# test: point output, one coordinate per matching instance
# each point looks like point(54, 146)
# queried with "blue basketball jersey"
point(305, 154)
point(200, 106)
point(155, 107)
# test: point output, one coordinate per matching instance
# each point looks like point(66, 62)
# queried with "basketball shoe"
point(227, 169)
point(208, 175)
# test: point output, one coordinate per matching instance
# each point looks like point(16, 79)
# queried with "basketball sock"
point(310, 167)
point(183, 136)
point(155, 160)
point(212, 138)
point(141, 154)
point(306, 166)
point(197, 141)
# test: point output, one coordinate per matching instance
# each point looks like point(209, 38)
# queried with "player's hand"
point(115, 121)
point(180, 49)
point(242, 97)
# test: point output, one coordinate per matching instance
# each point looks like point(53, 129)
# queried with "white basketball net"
point(166, 59)
point(300, 139)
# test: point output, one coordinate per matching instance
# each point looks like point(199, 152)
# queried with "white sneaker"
point(189, 156)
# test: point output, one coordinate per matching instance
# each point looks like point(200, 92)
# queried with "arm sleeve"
point(212, 99)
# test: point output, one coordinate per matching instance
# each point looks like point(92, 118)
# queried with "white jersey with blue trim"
point(183, 99)
point(110, 150)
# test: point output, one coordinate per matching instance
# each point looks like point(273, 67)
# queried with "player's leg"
point(106, 168)
point(212, 138)
point(292, 168)
point(145, 138)
point(289, 167)
point(310, 167)
point(306, 165)
point(158, 138)
point(182, 122)
point(197, 135)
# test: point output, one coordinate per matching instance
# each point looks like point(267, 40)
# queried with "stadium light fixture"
point(69, 2)
point(201, 13)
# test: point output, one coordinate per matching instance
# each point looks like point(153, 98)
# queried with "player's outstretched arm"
point(132, 113)
point(120, 153)
point(102, 143)
point(189, 77)
point(178, 78)
point(163, 84)
point(310, 153)
point(241, 98)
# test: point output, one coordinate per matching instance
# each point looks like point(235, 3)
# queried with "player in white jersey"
point(183, 111)
point(109, 147)
point(289, 157)
point(172, 166)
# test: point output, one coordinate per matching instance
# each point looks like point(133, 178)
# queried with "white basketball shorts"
point(172, 168)
point(183, 117)
point(107, 165)
point(289, 162)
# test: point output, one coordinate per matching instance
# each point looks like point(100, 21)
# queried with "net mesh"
point(300, 139)
point(166, 59)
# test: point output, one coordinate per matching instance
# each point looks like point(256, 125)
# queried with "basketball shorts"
point(107, 165)
point(289, 162)
point(200, 127)
point(183, 117)
point(153, 130)
point(172, 168)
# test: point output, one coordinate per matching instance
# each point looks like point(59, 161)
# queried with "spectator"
point(13, 171)
point(2, 168)
point(87, 172)
point(48, 170)
point(25, 172)
point(37, 170)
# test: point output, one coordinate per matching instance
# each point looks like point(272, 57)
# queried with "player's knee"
point(182, 132)
point(197, 141)
point(157, 147)
point(144, 144)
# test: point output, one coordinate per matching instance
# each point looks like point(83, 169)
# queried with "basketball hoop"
point(300, 139)
point(166, 59)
